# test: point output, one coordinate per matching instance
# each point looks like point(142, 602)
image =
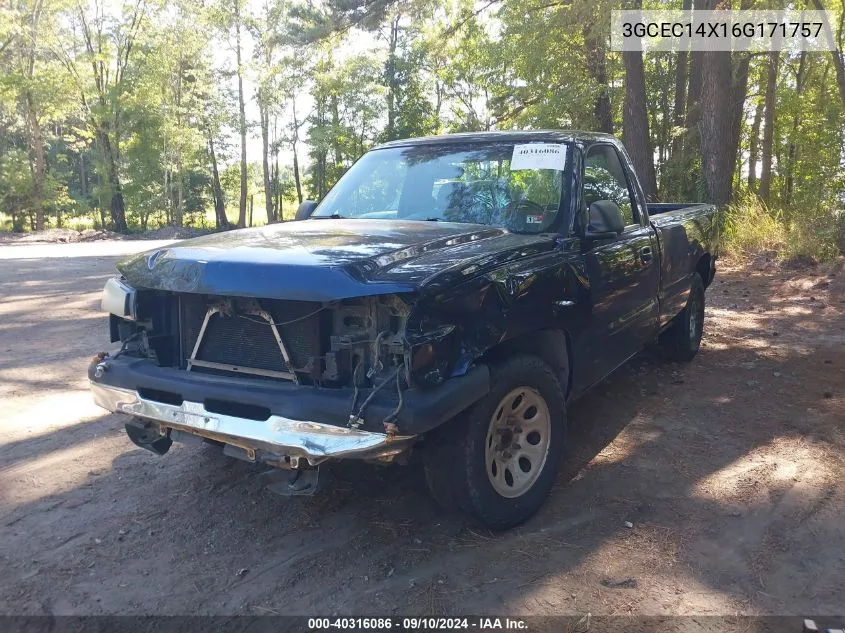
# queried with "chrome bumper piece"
point(313, 441)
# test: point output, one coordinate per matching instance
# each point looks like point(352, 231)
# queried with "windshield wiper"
point(333, 216)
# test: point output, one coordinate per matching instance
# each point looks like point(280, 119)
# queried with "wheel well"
point(705, 269)
point(552, 346)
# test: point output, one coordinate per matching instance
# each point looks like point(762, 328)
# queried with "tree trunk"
point(321, 174)
point(83, 177)
point(717, 154)
point(679, 109)
point(754, 147)
point(296, 176)
point(219, 207)
point(117, 208)
point(660, 121)
point(839, 66)
point(320, 152)
point(390, 77)
point(693, 114)
point(101, 186)
point(277, 187)
point(265, 160)
point(178, 216)
point(241, 115)
point(167, 201)
point(769, 126)
point(635, 123)
point(37, 145)
point(692, 134)
point(296, 179)
point(739, 90)
point(597, 67)
point(680, 104)
point(837, 54)
point(338, 156)
point(791, 150)
point(36, 141)
point(179, 212)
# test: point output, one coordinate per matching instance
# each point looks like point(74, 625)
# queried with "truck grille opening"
point(331, 345)
point(239, 339)
point(243, 340)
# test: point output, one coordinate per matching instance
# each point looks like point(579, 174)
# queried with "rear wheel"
point(681, 341)
point(499, 461)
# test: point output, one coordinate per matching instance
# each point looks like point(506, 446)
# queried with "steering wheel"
point(530, 205)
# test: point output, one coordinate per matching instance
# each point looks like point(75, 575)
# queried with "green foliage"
point(348, 100)
point(815, 234)
point(106, 105)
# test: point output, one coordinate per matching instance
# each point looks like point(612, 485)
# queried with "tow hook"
point(148, 436)
point(391, 429)
point(102, 364)
point(291, 483)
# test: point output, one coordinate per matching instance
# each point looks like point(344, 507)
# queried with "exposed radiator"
point(243, 340)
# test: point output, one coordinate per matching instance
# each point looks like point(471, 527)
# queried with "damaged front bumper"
point(274, 422)
point(280, 439)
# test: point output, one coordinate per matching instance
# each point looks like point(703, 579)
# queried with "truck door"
point(623, 271)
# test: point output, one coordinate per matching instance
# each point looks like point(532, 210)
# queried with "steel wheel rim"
point(696, 319)
point(517, 443)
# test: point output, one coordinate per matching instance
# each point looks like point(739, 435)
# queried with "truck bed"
point(686, 232)
point(656, 208)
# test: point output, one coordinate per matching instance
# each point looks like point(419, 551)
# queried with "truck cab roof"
point(510, 136)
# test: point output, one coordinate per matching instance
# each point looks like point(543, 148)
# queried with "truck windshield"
point(513, 186)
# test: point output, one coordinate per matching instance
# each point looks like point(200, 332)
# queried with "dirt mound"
point(173, 233)
point(95, 235)
point(60, 236)
point(65, 236)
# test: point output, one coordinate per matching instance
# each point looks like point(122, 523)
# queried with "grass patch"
point(809, 235)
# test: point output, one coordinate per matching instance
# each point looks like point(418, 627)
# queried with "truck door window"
point(605, 179)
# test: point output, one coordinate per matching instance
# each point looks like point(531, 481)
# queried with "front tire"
point(499, 461)
point(682, 339)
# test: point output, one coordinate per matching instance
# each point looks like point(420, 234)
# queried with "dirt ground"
point(730, 470)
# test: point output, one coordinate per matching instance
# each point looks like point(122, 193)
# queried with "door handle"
point(645, 254)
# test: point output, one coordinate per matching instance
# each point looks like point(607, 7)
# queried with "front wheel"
point(499, 462)
point(682, 339)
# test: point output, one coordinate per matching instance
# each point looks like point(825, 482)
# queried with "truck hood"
point(324, 260)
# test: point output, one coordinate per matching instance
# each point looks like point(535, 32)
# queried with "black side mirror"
point(604, 219)
point(306, 208)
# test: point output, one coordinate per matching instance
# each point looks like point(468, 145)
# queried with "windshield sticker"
point(533, 219)
point(539, 156)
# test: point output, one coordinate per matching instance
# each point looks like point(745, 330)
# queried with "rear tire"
point(682, 340)
point(499, 460)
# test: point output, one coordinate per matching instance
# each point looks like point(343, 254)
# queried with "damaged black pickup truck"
point(448, 297)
